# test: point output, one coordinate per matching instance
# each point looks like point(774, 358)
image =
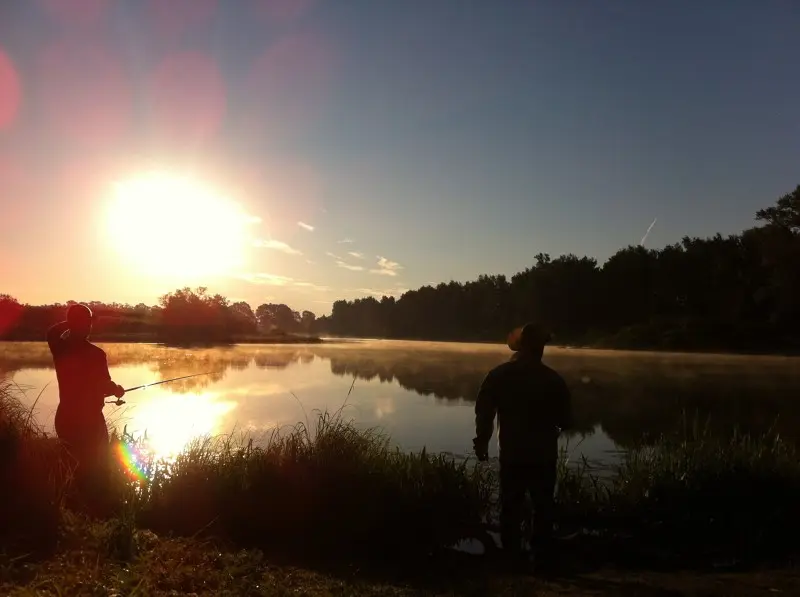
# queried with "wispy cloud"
point(308, 227)
point(386, 267)
point(312, 286)
point(277, 246)
point(356, 254)
point(353, 268)
point(346, 241)
point(333, 255)
point(274, 280)
point(267, 279)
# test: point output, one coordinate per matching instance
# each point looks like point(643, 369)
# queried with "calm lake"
point(422, 393)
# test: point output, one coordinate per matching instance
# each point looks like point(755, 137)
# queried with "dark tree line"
point(185, 315)
point(740, 292)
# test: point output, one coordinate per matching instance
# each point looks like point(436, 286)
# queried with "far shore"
point(600, 346)
point(150, 338)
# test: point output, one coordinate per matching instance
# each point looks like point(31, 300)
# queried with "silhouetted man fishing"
point(532, 405)
point(83, 384)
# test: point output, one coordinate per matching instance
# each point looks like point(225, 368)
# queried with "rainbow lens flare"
point(131, 461)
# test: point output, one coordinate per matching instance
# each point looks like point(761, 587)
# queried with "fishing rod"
point(120, 402)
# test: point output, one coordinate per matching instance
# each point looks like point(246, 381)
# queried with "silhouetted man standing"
point(84, 383)
point(532, 405)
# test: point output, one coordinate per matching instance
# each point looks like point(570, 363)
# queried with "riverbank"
point(91, 560)
point(328, 505)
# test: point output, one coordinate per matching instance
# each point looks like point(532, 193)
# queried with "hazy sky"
point(448, 137)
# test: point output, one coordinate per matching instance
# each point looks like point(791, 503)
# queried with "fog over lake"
point(422, 393)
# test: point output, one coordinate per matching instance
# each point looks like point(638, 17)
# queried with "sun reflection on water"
point(172, 421)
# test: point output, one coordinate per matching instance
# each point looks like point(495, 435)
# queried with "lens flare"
point(131, 461)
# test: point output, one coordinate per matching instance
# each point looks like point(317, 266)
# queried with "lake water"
point(422, 393)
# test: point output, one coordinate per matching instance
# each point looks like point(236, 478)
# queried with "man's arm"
point(109, 388)
point(54, 334)
point(485, 411)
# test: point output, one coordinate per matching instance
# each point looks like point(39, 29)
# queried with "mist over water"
point(423, 393)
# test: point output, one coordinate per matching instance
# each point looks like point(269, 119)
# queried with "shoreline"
point(587, 346)
point(154, 339)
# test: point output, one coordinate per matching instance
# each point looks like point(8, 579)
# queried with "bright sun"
point(170, 225)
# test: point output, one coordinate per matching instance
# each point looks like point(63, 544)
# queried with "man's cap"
point(531, 335)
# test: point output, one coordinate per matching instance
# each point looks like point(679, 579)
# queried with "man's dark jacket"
point(532, 405)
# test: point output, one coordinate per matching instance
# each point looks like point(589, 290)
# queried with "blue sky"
point(450, 137)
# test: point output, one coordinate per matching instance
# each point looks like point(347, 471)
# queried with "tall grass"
point(335, 489)
point(695, 494)
point(34, 476)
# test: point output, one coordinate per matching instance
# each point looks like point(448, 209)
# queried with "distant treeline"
point(740, 292)
point(182, 316)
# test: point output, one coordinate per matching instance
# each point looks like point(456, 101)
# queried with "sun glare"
point(172, 421)
point(170, 225)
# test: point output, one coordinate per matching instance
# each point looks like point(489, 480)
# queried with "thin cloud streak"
point(267, 279)
point(646, 234)
point(353, 268)
point(312, 286)
point(274, 280)
point(277, 245)
point(346, 241)
point(308, 227)
point(356, 254)
point(333, 256)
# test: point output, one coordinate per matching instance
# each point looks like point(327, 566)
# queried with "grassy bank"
point(344, 487)
point(694, 498)
point(89, 561)
point(334, 497)
point(329, 490)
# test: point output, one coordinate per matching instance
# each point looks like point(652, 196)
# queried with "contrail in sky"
point(649, 228)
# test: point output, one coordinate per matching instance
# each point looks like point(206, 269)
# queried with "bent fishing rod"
point(120, 401)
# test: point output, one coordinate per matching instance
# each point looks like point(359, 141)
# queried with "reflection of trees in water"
point(443, 374)
point(218, 362)
point(276, 360)
point(633, 399)
point(166, 362)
